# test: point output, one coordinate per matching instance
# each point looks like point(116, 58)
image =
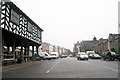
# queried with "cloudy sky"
point(67, 21)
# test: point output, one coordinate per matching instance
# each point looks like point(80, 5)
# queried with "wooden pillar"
point(1, 48)
point(1, 44)
point(25, 54)
point(13, 48)
point(33, 56)
point(37, 49)
point(28, 58)
point(21, 55)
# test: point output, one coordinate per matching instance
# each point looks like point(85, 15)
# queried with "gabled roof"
point(112, 36)
point(118, 36)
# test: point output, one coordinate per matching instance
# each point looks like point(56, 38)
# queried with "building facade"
point(47, 47)
point(112, 43)
point(76, 48)
point(18, 30)
point(101, 46)
point(88, 45)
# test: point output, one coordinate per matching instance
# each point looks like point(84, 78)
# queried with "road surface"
point(68, 67)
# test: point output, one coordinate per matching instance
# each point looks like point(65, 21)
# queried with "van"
point(90, 53)
point(54, 55)
point(44, 55)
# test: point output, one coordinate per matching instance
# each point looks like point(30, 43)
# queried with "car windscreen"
point(53, 54)
point(96, 55)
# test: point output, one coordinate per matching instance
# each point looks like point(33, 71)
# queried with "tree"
point(113, 49)
point(119, 50)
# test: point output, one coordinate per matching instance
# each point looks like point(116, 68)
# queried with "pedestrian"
point(109, 55)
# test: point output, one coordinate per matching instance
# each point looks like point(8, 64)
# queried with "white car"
point(95, 56)
point(82, 56)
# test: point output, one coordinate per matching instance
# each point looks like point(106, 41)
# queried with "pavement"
point(17, 66)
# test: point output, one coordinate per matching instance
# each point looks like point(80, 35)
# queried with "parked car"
point(63, 56)
point(90, 53)
point(109, 55)
point(54, 55)
point(44, 55)
point(95, 56)
point(82, 56)
point(37, 57)
point(70, 55)
point(118, 57)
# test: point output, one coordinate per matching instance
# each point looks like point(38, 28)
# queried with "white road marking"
point(52, 67)
point(110, 68)
point(48, 71)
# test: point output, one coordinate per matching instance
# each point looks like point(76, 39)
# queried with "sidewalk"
point(17, 66)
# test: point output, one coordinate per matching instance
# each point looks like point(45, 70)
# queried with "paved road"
point(65, 68)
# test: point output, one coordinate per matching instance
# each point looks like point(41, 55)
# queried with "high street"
point(68, 67)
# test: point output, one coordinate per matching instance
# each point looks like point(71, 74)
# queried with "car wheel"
point(104, 58)
point(119, 59)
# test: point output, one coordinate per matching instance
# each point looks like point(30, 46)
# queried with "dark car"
point(109, 55)
point(118, 57)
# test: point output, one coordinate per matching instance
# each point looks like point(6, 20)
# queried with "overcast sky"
point(67, 21)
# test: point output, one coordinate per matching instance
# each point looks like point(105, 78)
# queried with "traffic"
point(108, 55)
